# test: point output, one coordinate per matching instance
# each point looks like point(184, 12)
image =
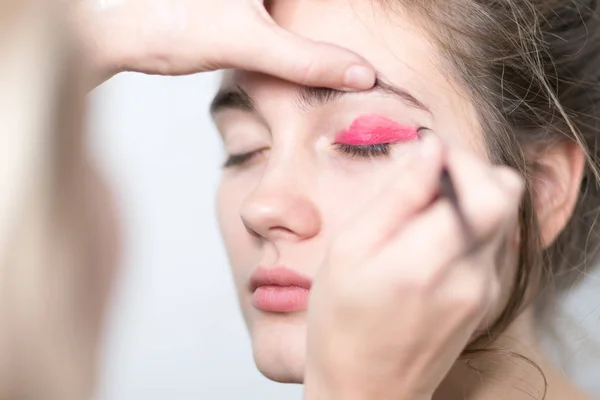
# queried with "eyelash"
point(236, 160)
point(367, 151)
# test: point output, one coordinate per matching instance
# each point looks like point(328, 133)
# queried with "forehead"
point(374, 31)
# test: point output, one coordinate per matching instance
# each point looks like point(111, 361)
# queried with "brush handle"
point(448, 191)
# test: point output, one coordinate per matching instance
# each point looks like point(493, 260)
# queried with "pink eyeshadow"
point(374, 129)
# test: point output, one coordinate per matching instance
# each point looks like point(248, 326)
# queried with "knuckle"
point(512, 182)
point(308, 70)
point(492, 209)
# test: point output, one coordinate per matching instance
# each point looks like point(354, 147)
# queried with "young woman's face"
point(294, 187)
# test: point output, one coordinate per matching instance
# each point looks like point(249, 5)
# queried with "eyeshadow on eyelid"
point(375, 129)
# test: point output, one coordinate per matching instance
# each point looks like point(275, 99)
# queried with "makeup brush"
point(448, 191)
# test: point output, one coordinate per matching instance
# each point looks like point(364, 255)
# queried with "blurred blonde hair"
point(47, 325)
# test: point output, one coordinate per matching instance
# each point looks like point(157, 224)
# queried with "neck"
point(515, 368)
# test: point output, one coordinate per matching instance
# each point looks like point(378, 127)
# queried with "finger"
point(278, 52)
point(488, 196)
point(414, 187)
point(429, 254)
point(427, 243)
point(434, 240)
point(490, 208)
point(511, 183)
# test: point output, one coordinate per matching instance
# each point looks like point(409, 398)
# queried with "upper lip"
point(280, 276)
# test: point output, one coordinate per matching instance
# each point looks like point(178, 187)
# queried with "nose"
point(279, 209)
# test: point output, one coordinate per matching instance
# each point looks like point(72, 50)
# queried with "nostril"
point(252, 232)
point(281, 230)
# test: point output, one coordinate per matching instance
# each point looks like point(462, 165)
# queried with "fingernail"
point(430, 146)
point(359, 77)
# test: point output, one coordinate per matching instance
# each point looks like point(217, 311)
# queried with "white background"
point(175, 332)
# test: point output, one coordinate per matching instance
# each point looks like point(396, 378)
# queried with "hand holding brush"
point(412, 278)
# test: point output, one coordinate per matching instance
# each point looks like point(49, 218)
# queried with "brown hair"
point(532, 68)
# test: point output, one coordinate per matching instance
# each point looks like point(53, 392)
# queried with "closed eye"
point(240, 159)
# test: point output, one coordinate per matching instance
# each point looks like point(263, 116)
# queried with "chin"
point(279, 347)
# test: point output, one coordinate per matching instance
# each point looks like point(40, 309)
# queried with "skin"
point(190, 36)
point(173, 38)
point(347, 222)
point(129, 37)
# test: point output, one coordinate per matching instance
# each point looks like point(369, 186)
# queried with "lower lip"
point(280, 298)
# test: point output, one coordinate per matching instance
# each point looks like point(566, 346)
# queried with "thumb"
point(306, 62)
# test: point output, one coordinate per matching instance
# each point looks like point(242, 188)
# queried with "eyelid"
point(369, 129)
point(242, 158)
point(235, 126)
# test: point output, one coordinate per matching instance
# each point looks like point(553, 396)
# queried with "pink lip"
point(375, 129)
point(279, 290)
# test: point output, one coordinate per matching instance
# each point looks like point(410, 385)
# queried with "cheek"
point(344, 196)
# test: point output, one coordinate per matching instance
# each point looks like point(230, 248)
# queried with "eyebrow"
point(309, 97)
point(235, 98)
